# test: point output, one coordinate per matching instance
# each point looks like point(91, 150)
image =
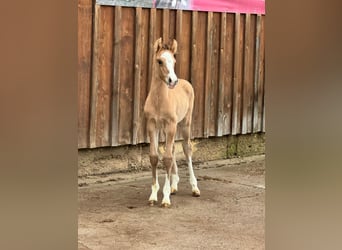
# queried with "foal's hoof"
point(151, 203)
point(165, 205)
point(173, 191)
point(196, 193)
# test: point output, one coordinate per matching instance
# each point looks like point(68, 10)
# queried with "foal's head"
point(165, 62)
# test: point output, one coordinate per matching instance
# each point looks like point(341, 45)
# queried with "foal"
point(170, 102)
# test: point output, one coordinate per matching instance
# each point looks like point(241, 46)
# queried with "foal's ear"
point(174, 46)
point(158, 44)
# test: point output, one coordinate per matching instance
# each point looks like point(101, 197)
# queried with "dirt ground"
point(114, 211)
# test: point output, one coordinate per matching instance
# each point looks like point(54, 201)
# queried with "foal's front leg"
point(170, 131)
point(153, 134)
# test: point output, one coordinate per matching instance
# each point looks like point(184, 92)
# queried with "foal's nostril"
point(170, 81)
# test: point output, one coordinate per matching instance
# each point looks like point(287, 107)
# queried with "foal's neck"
point(158, 86)
point(159, 91)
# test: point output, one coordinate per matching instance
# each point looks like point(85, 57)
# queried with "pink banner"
point(234, 6)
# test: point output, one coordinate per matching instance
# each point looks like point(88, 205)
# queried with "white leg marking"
point(193, 180)
point(155, 188)
point(174, 176)
point(174, 185)
point(166, 192)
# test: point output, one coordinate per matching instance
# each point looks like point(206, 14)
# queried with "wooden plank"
point(257, 98)
point(185, 60)
point(85, 17)
point(201, 49)
point(127, 76)
point(154, 33)
point(259, 77)
point(194, 53)
point(251, 60)
point(116, 77)
point(262, 73)
point(222, 75)
point(172, 24)
point(195, 131)
point(137, 74)
point(228, 77)
point(183, 22)
point(238, 62)
point(144, 73)
point(166, 25)
point(214, 79)
point(159, 24)
point(101, 90)
point(199, 20)
point(248, 77)
point(195, 77)
point(208, 62)
point(179, 37)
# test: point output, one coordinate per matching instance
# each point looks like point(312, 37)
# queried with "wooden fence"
point(221, 54)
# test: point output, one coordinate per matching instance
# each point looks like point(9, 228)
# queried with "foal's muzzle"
point(172, 83)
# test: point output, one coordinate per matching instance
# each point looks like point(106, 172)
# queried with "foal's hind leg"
point(187, 149)
point(174, 173)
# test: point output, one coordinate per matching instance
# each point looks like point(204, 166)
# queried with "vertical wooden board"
point(84, 35)
point(183, 55)
point(262, 73)
point(222, 74)
point(172, 25)
point(251, 74)
point(214, 79)
point(248, 76)
point(144, 71)
point(152, 36)
point(245, 72)
point(116, 76)
point(137, 74)
point(259, 76)
point(228, 76)
point(179, 55)
point(198, 36)
point(194, 58)
point(101, 80)
point(166, 25)
point(208, 84)
point(256, 124)
point(238, 63)
point(158, 24)
point(183, 26)
point(126, 76)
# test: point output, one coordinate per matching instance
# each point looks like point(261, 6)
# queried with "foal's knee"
point(187, 148)
point(154, 160)
point(167, 163)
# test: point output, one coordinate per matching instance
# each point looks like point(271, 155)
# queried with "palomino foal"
point(170, 102)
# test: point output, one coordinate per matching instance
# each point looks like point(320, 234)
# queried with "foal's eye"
point(160, 62)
